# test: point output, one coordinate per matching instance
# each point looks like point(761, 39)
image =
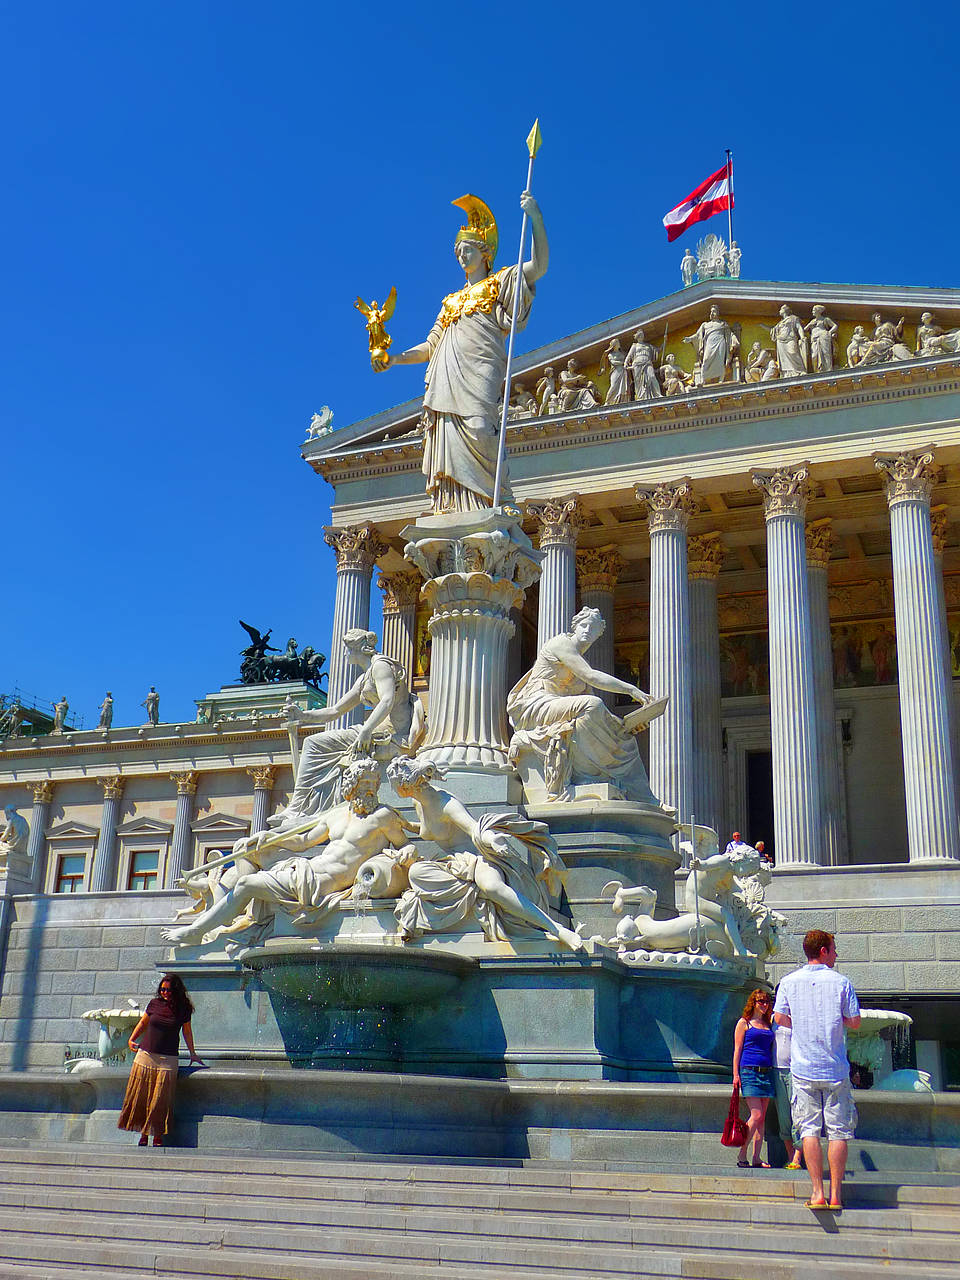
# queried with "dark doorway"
point(759, 824)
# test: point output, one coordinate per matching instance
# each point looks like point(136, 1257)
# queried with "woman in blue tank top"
point(753, 1049)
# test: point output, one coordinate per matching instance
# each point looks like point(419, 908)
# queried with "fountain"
point(866, 1048)
point(115, 1028)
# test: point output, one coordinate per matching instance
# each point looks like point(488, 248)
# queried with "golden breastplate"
point(470, 300)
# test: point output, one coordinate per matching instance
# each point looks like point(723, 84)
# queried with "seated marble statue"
point(932, 340)
point(577, 391)
point(395, 724)
point(501, 869)
point(577, 739)
point(15, 835)
point(886, 344)
point(307, 888)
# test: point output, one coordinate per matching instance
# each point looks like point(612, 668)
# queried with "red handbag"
point(735, 1130)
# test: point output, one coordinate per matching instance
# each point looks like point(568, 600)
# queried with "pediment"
point(145, 827)
point(72, 830)
point(218, 823)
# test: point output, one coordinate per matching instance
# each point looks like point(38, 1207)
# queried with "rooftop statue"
point(307, 887)
point(60, 710)
point(934, 341)
point(500, 869)
point(613, 358)
point(675, 380)
point(711, 258)
point(858, 344)
point(523, 403)
point(641, 363)
point(822, 336)
point(321, 424)
point(734, 255)
point(106, 712)
point(465, 355)
point(152, 704)
point(568, 730)
point(257, 668)
point(716, 345)
point(688, 265)
point(788, 333)
point(395, 723)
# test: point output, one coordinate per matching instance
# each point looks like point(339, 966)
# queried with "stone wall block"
point(801, 920)
point(932, 918)
point(867, 920)
point(82, 936)
point(948, 946)
point(123, 936)
point(938, 975)
point(123, 983)
point(877, 977)
point(71, 984)
point(99, 959)
point(901, 946)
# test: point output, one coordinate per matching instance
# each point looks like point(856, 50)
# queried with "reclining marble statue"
point(307, 888)
point(466, 360)
point(565, 737)
point(501, 869)
point(395, 724)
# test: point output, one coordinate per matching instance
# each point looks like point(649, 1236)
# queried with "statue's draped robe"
point(464, 383)
point(714, 345)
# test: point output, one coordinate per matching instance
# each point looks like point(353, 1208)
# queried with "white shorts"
point(816, 1105)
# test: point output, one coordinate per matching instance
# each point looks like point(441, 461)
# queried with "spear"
point(533, 146)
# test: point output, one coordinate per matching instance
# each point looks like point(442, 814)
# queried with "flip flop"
point(760, 1164)
point(815, 1204)
point(835, 1208)
point(743, 1164)
point(794, 1164)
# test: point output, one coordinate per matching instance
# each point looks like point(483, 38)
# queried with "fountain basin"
point(356, 976)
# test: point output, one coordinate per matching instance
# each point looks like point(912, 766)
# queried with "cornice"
point(92, 741)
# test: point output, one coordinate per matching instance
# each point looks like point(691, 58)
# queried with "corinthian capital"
point(938, 523)
point(599, 568)
point(356, 546)
point(786, 491)
point(112, 787)
point(820, 543)
point(43, 791)
point(263, 776)
point(400, 591)
point(668, 506)
point(705, 553)
point(908, 477)
point(186, 782)
point(558, 519)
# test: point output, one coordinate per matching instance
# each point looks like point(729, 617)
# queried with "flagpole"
point(533, 143)
point(729, 196)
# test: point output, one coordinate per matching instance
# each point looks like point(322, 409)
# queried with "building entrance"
point(759, 824)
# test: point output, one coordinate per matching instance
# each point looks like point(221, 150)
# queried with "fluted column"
point(558, 525)
point(704, 560)
point(796, 776)
point(263, 780)
point(357, 548)
point(598, 569)
point(938, 522)
point(401, 591)
point(668, 508)
point(103, 877)
point(36, 845)
point(820, 540)
point(932, 830)
point(180, 847)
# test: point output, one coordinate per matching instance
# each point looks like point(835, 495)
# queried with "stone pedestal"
point(819, 545)
point(669, 507)
point(704, 558)
point(932, 830)
point(558, 524)
point(103, 877)
point(476, 567)
point(357, 548)
point(796, 776)
point(180, 845)
point(598, 569)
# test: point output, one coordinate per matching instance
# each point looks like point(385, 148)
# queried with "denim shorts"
point(757, 1082)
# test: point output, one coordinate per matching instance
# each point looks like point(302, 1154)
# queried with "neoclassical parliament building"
point(777, 550)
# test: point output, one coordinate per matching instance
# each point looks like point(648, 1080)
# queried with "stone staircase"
point(121, 1213)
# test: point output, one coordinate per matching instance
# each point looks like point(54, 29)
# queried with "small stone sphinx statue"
point(15, 836)
point(565, 737)
point(395, 724)
point(308, 888)
point(106, 712)
point(502, 870)
point(577, 391)
point(641, 364)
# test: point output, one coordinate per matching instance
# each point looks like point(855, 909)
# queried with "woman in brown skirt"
point(148, 1102)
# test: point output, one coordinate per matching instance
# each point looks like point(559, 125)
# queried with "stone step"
point(512, 1207)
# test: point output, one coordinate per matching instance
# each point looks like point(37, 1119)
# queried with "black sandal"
point(743, 1164)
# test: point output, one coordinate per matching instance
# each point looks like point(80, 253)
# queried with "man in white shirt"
point(817, 1004)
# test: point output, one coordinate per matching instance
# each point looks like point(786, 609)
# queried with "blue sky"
point(194, 194)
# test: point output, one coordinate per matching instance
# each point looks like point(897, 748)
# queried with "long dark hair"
point(181, 1002)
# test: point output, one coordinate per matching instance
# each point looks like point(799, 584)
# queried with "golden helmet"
point(481, 226)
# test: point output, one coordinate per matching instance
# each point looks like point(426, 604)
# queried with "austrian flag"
point(712, 196)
